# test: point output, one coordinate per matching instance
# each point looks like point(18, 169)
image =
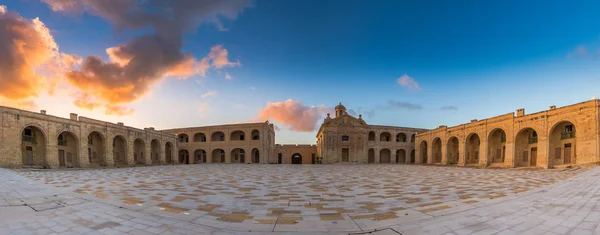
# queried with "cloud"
point(228, 76)
point(369, 113)
point(294, 115)
point(402, 105)
point(209, 94)
point(449, 108)
point(30, 61)
point(408, 82)
point(580, 51)
point(146, 59)
point(117, 110)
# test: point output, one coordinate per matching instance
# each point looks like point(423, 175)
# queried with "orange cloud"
point(26, 46)
point(219, 55)
point(118, 110)
point(294, 115)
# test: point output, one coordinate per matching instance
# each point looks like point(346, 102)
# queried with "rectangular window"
point(203, 139)
point(345, 138)
point(222, 138)
point(241, 137)
point(568, 128)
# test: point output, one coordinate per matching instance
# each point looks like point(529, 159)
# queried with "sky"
point(183, 63)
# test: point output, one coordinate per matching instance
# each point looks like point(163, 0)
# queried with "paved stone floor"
point(303, 199)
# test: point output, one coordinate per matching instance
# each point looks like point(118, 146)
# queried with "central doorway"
point(296, 158)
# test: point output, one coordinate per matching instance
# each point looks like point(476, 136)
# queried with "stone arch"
point(96, 148)
point(296, 158)
point(371, 157)
point(169, 152)
point(401, 137)
point(526, 147)
point(472, 149)
point(199, 137)
point(561, 143)
point(199, 156)
point(436, 150)
point(120, 150)
point(400, 156)
point(139, 151)
point(67, 144)
point(33, 146)
point(255, 134)
point(496, 146)
point(385, 156)
point(423, 149)
point(238, 155)
point(184, 156)
point(371, 136)
point(385, 137)
point(217, 136)
point(412, 138)
point(412, 156)
point(183, 138)
point(238, 135)
point(155, 151)
point(218, 156)
point(452, 151)
point(255, 155)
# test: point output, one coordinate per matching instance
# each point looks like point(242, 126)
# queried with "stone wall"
point(558, 136)
point(257, 145)
point(303, 154)
point(41, 146)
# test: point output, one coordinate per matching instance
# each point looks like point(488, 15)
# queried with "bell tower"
point(340, 110)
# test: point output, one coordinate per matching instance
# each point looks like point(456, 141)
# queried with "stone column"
point(377, 155)
point(462, 152)
point(130, 152)
point(445, 152)
point(227, 155)
point(148, 153)
point(429, 153)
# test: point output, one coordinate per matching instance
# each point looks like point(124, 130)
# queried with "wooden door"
point(29, 155)
point(533, 157)
point(61, 158)
point(567, 154)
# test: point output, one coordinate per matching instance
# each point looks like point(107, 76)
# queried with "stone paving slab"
point(321, 199)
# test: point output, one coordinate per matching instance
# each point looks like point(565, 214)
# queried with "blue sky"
point(483, 58)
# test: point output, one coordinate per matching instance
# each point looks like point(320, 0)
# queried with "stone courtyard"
point(303, 199)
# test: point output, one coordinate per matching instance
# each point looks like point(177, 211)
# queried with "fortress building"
point(556, 137)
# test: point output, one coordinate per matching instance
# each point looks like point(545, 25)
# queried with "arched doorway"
point(238, 136)
point(296, 158)
point(238, 156)
point(562, 141)
point(385, 137)
point(423, 148)
point(385, 156)
point(472, 149)
point(255, 135)
point(155, 152)
point(255, 155)
point(400, 156)
point(401, 137)
point(218, 156)
point(96, 149)
point(412, 156)
point(437, 150)
point(33, 146)
point(68, 147)
point(371, 136)
point(139, 148)
point(169, 153)
point(452, 151)
point(184, 156)
point(217, 136)
point(199, 156)
point(120, 151)
point(371, 156)
point(526, 148)
point(497, 146)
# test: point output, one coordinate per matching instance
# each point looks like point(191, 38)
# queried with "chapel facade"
point(347, 139)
